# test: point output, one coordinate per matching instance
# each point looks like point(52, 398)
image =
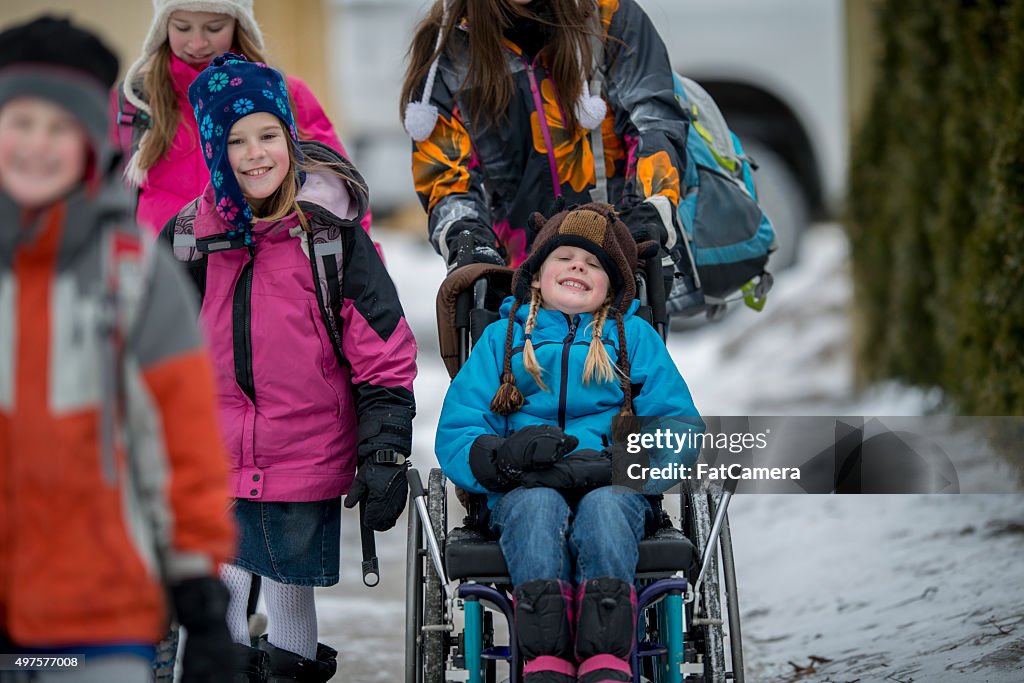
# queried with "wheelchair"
point(459, 574)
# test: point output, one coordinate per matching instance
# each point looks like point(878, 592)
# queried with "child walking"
point(153, 121)
point(528, 422)
point(299, 416)
point(113, 488)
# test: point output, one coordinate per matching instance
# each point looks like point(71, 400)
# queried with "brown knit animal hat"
point(596, 228)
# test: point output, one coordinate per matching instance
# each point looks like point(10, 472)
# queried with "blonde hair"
point(597, 366)
point(163, 103)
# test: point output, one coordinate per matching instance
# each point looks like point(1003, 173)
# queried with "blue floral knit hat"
point(230, 88)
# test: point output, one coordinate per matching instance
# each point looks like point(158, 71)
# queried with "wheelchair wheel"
point(435, 642)
point(698, 516)
point(413, 599)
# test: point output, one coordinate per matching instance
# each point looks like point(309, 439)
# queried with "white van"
point(776, 69)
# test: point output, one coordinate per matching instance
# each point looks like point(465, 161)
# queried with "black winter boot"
point(543, 626)
point(287, 666)
point(605, 628)
point(249, 665)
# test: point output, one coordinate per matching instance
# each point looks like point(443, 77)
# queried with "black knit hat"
point(55, 60)
point(51, 40)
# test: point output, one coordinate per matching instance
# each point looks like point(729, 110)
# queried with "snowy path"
point(898, 588)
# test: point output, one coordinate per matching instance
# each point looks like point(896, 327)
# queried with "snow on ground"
point(885, 588)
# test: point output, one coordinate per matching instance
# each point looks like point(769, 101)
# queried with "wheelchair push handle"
point(433, 547)
point(415, 483)
point(370, 564)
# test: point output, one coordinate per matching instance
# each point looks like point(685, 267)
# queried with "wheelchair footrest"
point(651, 650)
point(499, 652)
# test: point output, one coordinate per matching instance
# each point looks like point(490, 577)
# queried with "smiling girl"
point(298, 420)
point(527, 421)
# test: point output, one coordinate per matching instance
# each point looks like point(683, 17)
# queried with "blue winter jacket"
point(561, 343)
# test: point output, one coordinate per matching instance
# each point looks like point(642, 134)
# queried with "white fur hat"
point(241, 10)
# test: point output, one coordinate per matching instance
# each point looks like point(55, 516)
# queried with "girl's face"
point(571, 280)
point(198, 37)
point(258, 151)
point(43, 151)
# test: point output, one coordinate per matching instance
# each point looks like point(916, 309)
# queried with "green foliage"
point(936, 216)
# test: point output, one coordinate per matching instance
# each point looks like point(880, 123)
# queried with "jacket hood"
point(89, 210)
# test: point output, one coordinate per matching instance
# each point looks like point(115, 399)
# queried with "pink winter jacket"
point(293, 416)
point(181, 176)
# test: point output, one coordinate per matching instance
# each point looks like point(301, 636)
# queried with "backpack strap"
point(324, 247)
point(132, 124)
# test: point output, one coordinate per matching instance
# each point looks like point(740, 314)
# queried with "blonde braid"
point(529, 357)
point(598, 364)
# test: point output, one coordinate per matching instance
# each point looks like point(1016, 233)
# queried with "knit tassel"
point(508, 399)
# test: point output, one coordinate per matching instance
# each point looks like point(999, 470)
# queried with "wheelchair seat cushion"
point(472, 554)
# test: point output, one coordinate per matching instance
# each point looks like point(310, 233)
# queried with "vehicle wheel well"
point(754, 112)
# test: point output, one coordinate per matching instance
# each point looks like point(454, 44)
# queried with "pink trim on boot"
point(603, 662)
point(549, 663)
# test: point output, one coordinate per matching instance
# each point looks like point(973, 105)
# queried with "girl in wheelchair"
point(527, 421)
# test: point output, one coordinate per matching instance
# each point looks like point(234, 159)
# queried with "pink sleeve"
point(314, 125)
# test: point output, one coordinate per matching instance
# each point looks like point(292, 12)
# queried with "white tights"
point(291, 611)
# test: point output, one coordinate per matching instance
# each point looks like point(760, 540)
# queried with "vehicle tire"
point(435, 643)
point(780, 195)
point(698, 518)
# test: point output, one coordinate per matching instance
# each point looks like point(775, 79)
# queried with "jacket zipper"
point(241, 324)
point(566, 346)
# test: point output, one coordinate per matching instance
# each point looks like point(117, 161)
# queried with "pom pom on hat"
point(590, 109)
point(420, 119)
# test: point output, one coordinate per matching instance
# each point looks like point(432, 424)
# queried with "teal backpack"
point(728, 237)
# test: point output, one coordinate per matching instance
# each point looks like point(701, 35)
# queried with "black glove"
point(472, 243)
point(584, 469)
point(384, 487)
point(201, 604)
point(498, 464)
point(644, 222)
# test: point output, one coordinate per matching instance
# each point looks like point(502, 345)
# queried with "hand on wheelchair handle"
point(644, 223)
point(385, 488)
point(468, 248)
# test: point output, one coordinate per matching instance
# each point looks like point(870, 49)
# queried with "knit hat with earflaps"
point(229, 89)
point(241, 10)
point(596, 228)
point(52, 59)
point(421, 117)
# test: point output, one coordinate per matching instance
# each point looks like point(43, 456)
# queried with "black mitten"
point(384, 487)
point(201, 605)
point(584, 469)
point(535, 447)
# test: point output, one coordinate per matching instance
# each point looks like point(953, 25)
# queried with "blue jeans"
point(544, 537)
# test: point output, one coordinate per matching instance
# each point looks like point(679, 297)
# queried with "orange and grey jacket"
point(490, 179)
point(112, 470)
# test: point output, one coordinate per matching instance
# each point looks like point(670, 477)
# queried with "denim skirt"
point(292, 543)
